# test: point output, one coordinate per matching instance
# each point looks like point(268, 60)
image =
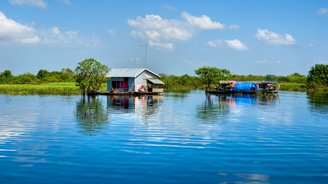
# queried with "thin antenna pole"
point(146, 47)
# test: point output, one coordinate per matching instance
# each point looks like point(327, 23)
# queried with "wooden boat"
point(268, 87)
point(245, 87)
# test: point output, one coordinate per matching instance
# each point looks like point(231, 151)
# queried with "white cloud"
point(161, 33)
point(54, 36)
point(13, 32)
point(35, 3)
point(323, 11)
point(311, 45)
point(215, 43)
point(270, 37)
point(236, 44)
point(202, 22)
point(233, 44)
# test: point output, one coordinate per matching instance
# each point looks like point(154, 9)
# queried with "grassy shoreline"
point(53, 88)
point(69, 88)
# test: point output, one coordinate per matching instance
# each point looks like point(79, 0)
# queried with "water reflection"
point(91, 114)
point(318, 101)
point(215, 106)
point(144, 106)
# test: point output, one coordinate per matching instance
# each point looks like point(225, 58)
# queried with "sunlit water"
point(175, 138)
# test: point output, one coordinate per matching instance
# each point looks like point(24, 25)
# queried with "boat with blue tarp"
point(245, 87)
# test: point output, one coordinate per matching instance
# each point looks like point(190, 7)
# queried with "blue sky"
point(277, 37)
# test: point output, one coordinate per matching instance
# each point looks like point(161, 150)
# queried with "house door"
point(126, 84)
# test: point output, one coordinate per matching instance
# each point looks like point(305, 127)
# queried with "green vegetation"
point(210, 75)
point(63, 82)
point(318, 77)
point(291, 86)
point(90, 75)
point(56, 88)
point(184, 83)
point(43, 76)
point(53, 88)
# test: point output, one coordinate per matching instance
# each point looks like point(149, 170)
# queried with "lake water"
point(175, 138)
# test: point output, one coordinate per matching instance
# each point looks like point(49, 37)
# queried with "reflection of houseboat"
point(245, 87)
point(133, 102)
point(146, 104)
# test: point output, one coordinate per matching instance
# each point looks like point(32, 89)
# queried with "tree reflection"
point(213, 107)
point(319, 101)
point(91, 114)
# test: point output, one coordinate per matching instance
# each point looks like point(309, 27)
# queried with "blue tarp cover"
point(245, 87)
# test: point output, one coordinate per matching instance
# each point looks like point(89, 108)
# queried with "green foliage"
point(53, 88)
point(318, 76)
point(210, 75)
point(26, 78)
point(290, 86)
point(6, 76)
point(296, 78)
point(182, 83)
point(246, 77)
point(67, 75)
point(42, 74)
point(90, 74)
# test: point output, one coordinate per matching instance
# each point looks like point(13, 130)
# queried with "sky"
point(259, 37)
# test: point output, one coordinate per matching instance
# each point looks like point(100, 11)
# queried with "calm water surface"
point(176, 138)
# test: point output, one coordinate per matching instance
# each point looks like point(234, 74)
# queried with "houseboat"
point(133, 81)
point(245, 87)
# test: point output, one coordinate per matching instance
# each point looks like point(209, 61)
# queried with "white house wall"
point(142, 79)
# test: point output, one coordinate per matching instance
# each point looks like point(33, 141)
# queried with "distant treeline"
point(317, 78)
point(43, 76)
point(185, 82)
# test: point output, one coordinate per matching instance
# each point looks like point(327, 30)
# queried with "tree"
point(5, 76)
point(42, 74)
point(210, 75)
point(318, 75)
point(67, 75)
point(90, 74)
point(296, 77)
point(26, 78)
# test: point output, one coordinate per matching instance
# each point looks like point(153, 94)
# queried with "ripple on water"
point(177, 139)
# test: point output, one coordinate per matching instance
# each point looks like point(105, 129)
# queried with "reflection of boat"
point(246, 99)
point(245, 87)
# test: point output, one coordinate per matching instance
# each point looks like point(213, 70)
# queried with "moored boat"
point(245, 87)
